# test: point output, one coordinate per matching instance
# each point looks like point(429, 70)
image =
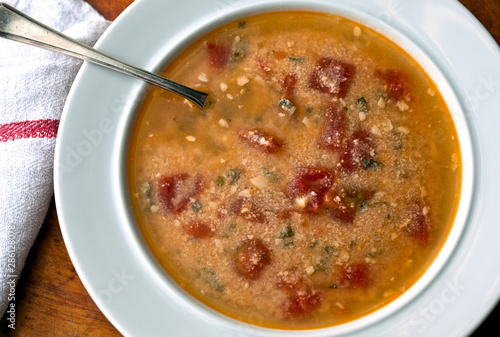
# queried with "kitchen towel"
point(34, 84)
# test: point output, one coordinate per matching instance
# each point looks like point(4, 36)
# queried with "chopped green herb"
point(175, 118)
point(273, 176)
point(196, 206)
point(321, 266)
point(286, 235)
point(230, 229)
point(296, 59)
point(220, 181)
point(309, 110)
point(352, 243)
point(242, 24)
point(397, 143)
point(370, 164)
point(333, 286)
point(260, 45)
point(362, 104)
point(287, 105)
point(210, 277)
point(312, 245)
point(378, 203)
point(397, 146)
point(210, 103)
point(237, 54)
point(273, 89)
point(363, 204)
point(346, 109)
point(287, 232)
point(146, 189)
point(233, 176)
point(330, 250)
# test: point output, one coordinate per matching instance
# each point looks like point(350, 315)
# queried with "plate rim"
point(65, 227)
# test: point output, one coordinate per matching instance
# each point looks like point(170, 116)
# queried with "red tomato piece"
point(334, 130)
point(358, 148)
point(420, 225)
point(356, 275)
point(248, 210)
point(340, 208)
point(262, 141)
point(218, 55)
point(251, 258)
point(344, 203)
point(289, 279)
point(263, 67)
point(175, 191)
point(284, 214)
point(199, 230)
point(397, 83)
point(288, 84)
point(332, 77)
point(302, 303)
point(308, 188)
point(279, 55)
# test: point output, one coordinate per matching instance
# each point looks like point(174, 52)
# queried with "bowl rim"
point(456, 111)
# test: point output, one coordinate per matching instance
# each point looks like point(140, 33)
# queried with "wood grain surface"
point(51, 300)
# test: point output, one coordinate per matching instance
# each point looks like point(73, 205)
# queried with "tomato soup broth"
point(318, 185)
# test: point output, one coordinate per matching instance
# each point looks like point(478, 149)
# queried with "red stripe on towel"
point(43, 128)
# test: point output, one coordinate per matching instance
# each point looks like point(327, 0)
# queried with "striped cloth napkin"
point(34, 84)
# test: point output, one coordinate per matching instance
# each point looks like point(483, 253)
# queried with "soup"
point(317, 186)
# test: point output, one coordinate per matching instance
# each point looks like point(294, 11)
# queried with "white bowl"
point(92, 197)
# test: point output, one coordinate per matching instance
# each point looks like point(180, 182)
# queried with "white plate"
point(106, 247)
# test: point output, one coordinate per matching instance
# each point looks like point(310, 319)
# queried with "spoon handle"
point(17, 26)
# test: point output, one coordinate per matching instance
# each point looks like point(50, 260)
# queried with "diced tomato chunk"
point(199, 230)
point(420, 225)
point(262, 141)
point(279, 55)
point(252, 257)
point(334, 130)
point(289, 279)
point(332, 77)
point(356, 275)
point(248, 210)
point(302, 303)
point(339, 207)
point(397, 83)
point(286, 213)
point(218, 55)
point(288, 84)
point(344, 203)
point(358, 148)
point(308, 188)
point(175, 191)
point(263, 67)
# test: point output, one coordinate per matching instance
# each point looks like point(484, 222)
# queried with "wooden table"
point(51, 300)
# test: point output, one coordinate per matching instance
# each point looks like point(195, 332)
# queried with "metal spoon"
point(17, 26)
